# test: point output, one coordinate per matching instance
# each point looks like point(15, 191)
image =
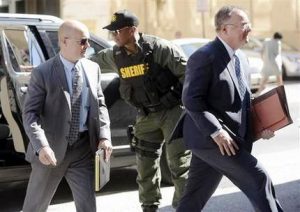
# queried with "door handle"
point(23, 89)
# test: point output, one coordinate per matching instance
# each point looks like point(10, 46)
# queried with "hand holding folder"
point(102, 170)
point(270, 111)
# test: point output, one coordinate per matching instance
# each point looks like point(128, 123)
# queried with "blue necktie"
point(242, 86)
point(75, 105)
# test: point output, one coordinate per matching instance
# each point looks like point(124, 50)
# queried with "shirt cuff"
point(215, 134)
point(38, 151)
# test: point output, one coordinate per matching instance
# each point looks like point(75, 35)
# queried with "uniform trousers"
point(206, 171)
point(156, 128)
point(77, 168)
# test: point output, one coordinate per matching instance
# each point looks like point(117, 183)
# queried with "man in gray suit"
point(66, 120)
point(217, 124)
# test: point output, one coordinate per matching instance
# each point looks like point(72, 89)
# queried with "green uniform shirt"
point(165, 53)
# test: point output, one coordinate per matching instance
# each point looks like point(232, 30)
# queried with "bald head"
point(69, 27)
point(73, 40)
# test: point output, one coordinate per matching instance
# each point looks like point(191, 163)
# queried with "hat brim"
point(113, 27)
point(110, 27)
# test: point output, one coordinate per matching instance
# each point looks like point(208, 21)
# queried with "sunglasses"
point(81, 42)
point(118, 31)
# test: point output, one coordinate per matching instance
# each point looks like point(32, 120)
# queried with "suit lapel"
point(227, 63)
point(62, 80)
point(91, 78)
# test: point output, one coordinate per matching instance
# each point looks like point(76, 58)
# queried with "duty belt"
point(155, 108)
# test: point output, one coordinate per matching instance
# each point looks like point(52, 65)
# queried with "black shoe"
point(150, 208)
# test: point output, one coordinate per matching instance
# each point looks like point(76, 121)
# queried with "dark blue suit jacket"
point(211, 97)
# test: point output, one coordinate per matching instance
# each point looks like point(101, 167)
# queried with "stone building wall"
point(171, 18)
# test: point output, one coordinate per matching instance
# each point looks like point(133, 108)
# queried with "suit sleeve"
point(197, 86)
point(104, 120)
point(32, 110)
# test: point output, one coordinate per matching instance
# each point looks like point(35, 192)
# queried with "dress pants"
point(206, 170)
point(77, 168)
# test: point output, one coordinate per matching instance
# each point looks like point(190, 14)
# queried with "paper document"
point(102, 170)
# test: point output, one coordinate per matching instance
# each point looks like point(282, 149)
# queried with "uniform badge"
point(113, 18)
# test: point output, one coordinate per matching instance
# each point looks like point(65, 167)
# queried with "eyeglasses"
point(243, 26)
point(118, 31)
point(81, 42)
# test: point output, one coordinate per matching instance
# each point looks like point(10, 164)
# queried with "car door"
point(20, 53)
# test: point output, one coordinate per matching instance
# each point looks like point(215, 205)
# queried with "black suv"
point(25, 42)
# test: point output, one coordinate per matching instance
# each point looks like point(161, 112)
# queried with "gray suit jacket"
point(211, 97)
point(47, 108)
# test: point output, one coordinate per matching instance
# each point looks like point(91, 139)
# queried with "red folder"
point(270, 111)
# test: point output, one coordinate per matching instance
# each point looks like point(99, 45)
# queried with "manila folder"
point(102, 170)
point(270, 111)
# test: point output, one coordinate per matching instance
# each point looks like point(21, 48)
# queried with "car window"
point(50, 41)
point(23, 50)
point(94, 48)
point(2, 64)
point(190, 48)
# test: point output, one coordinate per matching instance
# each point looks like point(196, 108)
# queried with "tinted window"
point(190, 48)
point(94, 48)
point(2, 73)
point(50, 41)
point(23, 50)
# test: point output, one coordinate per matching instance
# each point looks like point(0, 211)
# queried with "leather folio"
point(102, 170)
point(270, 111)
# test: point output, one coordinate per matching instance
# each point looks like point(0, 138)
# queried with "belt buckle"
point(81, 134)
point(151, 109)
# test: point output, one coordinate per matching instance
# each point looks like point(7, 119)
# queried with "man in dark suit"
point(217, 124)
point(66, 120)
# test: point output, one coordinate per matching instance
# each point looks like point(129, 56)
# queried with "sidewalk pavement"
point(283, 168)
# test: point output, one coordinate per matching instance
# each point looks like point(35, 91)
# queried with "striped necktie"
point(75, 105)
point(244, 98)
point(237, 67)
